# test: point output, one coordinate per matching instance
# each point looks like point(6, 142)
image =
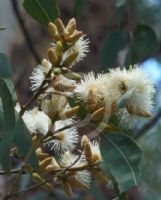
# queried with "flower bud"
point(59, 51)
point(70, 59)
point(73, 76)
point(42, 156)
point(54, 162)
point(70, 113)
point(38, 150)
point(60, 27)
point(74, 37)
point(84, 139)
point(53, 31)
point(59, 136)
point(45, 63)
point(71, 26)
point(44, 163)
point(87, 149)
point(52, 167)
point(98, 115)
point(57, 71)
point(38, 179)
point(52, 57)
point(135, 111)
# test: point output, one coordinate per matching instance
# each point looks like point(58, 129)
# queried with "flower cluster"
point(125, 94)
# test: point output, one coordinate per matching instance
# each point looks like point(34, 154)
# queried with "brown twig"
point(33, 147)
point(14, 171)
point(81, 168)
point(130, 20)
point(24, 30)
point(27, 189)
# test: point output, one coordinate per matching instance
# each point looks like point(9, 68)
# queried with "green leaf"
point(23, 141)
point(11, 87)
point(123, 100)
point(8, 125)
point(115, 41)
point(5, 67)
point(144, 44)
point(122, 156)
point(43, 11)
point(6, 75)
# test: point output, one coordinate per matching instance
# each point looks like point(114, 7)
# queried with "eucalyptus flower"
point(38, 74)
point(65, 140)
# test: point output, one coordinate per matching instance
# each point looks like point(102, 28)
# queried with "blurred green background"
point(122, 32)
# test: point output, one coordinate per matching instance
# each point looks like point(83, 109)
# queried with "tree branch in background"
point(33, 187)
point(149, 125)
point(24, 31)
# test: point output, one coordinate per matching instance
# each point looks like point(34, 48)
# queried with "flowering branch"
point(110, 101)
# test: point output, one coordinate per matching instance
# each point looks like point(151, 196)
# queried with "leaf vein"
point(126, 160)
